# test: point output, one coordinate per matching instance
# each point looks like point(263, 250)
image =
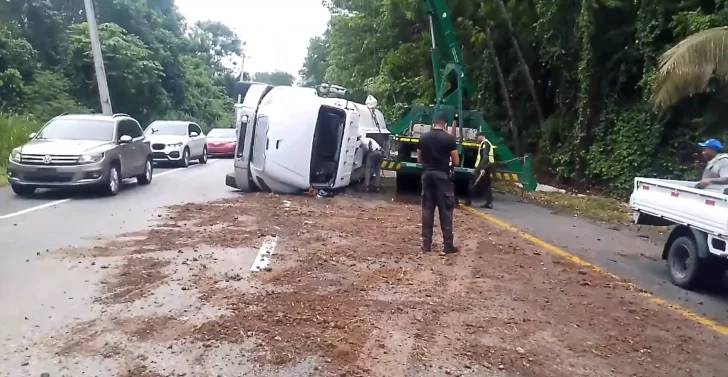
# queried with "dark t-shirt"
point(436, 146)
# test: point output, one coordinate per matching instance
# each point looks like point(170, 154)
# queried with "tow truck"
point(453, 90)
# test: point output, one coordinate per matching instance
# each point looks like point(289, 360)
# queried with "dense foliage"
point(157, 65)
point(275, 78)
point(591, 64)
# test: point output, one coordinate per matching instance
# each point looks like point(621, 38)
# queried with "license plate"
point(46, 170)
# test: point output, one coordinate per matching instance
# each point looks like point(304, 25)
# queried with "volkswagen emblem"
point(47, 160)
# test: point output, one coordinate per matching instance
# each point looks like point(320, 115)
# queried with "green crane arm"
point(451, 85)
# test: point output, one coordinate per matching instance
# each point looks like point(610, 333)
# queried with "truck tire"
point(684, 263)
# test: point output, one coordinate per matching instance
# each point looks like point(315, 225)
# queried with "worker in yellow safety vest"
point(483, 169)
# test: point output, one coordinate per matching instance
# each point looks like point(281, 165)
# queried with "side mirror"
point(371, 102)
point(194, 134)
point(32, 135)
point(125, 139)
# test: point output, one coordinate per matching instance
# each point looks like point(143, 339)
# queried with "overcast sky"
point(276, 31)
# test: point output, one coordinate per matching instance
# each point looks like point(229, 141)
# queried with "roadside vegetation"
point(157, 65)
point(589, 97)
point(14, 130)
point(596, 207)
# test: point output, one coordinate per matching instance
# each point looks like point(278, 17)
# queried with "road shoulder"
point(632, 254)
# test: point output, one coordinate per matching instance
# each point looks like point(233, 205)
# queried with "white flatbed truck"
point(695, 250)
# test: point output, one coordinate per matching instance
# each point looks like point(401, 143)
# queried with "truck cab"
point(290, 140)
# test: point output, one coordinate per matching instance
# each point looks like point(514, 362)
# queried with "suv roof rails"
point(121, 115)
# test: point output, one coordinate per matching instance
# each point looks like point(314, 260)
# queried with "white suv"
point(177, 141)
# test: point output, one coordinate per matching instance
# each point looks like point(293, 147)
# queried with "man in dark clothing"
point(437, 152)
point(483, 171)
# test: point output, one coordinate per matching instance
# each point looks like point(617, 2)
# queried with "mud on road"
point(348, 293)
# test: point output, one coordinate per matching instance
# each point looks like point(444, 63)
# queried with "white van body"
point(290, 140)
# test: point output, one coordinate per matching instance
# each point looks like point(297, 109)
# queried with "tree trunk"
point(522, 60)
point(504, 92)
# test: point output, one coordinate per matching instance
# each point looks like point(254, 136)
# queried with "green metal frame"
point(452, 87)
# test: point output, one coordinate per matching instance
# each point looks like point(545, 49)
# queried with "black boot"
point(447, 250)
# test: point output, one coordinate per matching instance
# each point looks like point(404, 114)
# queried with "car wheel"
point(684, 263)
point(185, 161)
point(22, 190)
point(203, 158)
point(113, 181)
point(146, 178)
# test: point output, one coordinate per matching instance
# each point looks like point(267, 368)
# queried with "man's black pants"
point(485, 182)
point(437, 192)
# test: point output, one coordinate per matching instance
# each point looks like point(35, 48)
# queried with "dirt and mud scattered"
point(350, 294)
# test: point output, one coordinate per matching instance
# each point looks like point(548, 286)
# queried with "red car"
point(221, 142)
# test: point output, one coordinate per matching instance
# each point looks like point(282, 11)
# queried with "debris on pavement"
point(350, 294)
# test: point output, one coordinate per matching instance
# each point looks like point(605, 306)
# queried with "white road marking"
point(262, 260)
point(31, 209)
point(162, 174)
point(58, 202)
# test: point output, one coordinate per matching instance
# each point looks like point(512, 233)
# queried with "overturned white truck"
point(292, 139)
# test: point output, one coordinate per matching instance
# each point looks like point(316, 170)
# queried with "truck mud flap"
point(230, 181)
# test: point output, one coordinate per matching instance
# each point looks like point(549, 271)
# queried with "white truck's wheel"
point(684, 263)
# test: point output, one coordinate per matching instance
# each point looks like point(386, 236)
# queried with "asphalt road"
point(627, 253)
point(40, 296)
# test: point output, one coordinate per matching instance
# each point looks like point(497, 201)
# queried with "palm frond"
point(687, 68)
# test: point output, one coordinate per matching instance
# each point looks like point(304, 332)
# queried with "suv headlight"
point(15, 155)
point(90, 158)
point(174, 145)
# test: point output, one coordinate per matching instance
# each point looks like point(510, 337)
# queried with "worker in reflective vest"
point(483, 169)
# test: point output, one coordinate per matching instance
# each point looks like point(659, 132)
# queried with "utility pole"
point(93, 32)
point(243, 55)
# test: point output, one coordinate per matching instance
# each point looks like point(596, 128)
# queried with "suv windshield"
point(222, 133)
point(166, 128)
point(78, 129)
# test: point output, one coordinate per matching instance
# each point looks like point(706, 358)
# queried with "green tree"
point(692, 65)
point(582, 112)
point(134, 77)
point(313, 72)
point(274, 78)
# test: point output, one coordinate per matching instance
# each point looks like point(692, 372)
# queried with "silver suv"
point(82, 150)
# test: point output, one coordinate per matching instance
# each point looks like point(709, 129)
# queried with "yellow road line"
point(709, 323)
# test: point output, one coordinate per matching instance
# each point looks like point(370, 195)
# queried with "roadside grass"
point(591, 206)
point(14, 131)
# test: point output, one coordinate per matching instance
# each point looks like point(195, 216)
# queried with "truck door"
point(348, 149)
